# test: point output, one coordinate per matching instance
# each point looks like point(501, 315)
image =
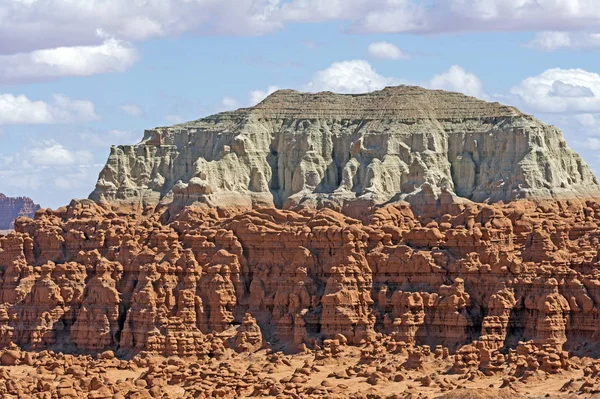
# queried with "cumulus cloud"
point(569, 99)
point(355, 76)
point(588, 121)
point(132, 109)
point(359, 76)
point(76, 178)
point(45, 165)
point(18, 109)
point(593, 143)
point(257, 96)
point(351, 10)
point(386, 51)
point(580, 125)
point(457, 79)
point(552, 41)
point(111, 56)
point(400, 16)
point(560, 90)
point(52, 153)
point(54, 165)
point(33, 25)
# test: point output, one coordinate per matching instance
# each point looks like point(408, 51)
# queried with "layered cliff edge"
point(13, 208)
point(441, 290)
point(333, 150)
point(478, 280)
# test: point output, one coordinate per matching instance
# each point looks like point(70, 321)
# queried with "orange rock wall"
point(88, 278)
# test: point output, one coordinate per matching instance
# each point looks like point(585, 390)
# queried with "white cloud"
point(399, 16)
point(359, 76)
point(18, 109)
point(579, 124)
point(560, 90)
point(77, 178)
point(459, 80)
point(569, 99)
point(32, 25)
point(132, 109)
point(45, 165)
point(588, 121)
point(52, 153)
point(582, 132)
point(319, 11)
point(111, 56)
point(552, 41)
point(257, 96)
point(387, 51)
point(549, 41)
point(356, 76)
point(592, 143)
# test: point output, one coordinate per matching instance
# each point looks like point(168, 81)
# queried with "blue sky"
point(79, 75)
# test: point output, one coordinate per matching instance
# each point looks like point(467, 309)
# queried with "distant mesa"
point(12, 208)
point(358, 291)
point(332, 150)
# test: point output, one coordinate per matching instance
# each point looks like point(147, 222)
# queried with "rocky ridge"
point(87, 277)
point(12, 208)
point(505, 294)
point(325, 149)
point(385, 276)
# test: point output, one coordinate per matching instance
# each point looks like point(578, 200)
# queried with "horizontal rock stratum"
point(511, 291)
point(329, 149)
point(347, 294)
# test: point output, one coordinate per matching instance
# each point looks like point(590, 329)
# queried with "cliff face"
point(12, 208)
point(332, 150)
point(489, 277)
point(354, 284)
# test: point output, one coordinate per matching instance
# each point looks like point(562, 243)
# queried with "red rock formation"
point(90, 278)
point(249, 337)
point(13, 208)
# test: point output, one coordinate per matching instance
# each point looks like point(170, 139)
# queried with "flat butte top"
point(408, 103)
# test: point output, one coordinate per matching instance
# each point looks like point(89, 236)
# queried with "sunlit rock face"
point(313, 150)
point(481, 277)
point(402, 237)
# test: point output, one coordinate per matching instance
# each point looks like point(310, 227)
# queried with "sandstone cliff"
point(477, 277)
point(442, 291)
point(333, 150)
point(12, 208)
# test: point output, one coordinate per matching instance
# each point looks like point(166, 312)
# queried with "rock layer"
point(190, 293)
point(487, 277)
point(335, 150)
point(12, 208)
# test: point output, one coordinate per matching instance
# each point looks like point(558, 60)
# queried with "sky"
point(77, 76)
